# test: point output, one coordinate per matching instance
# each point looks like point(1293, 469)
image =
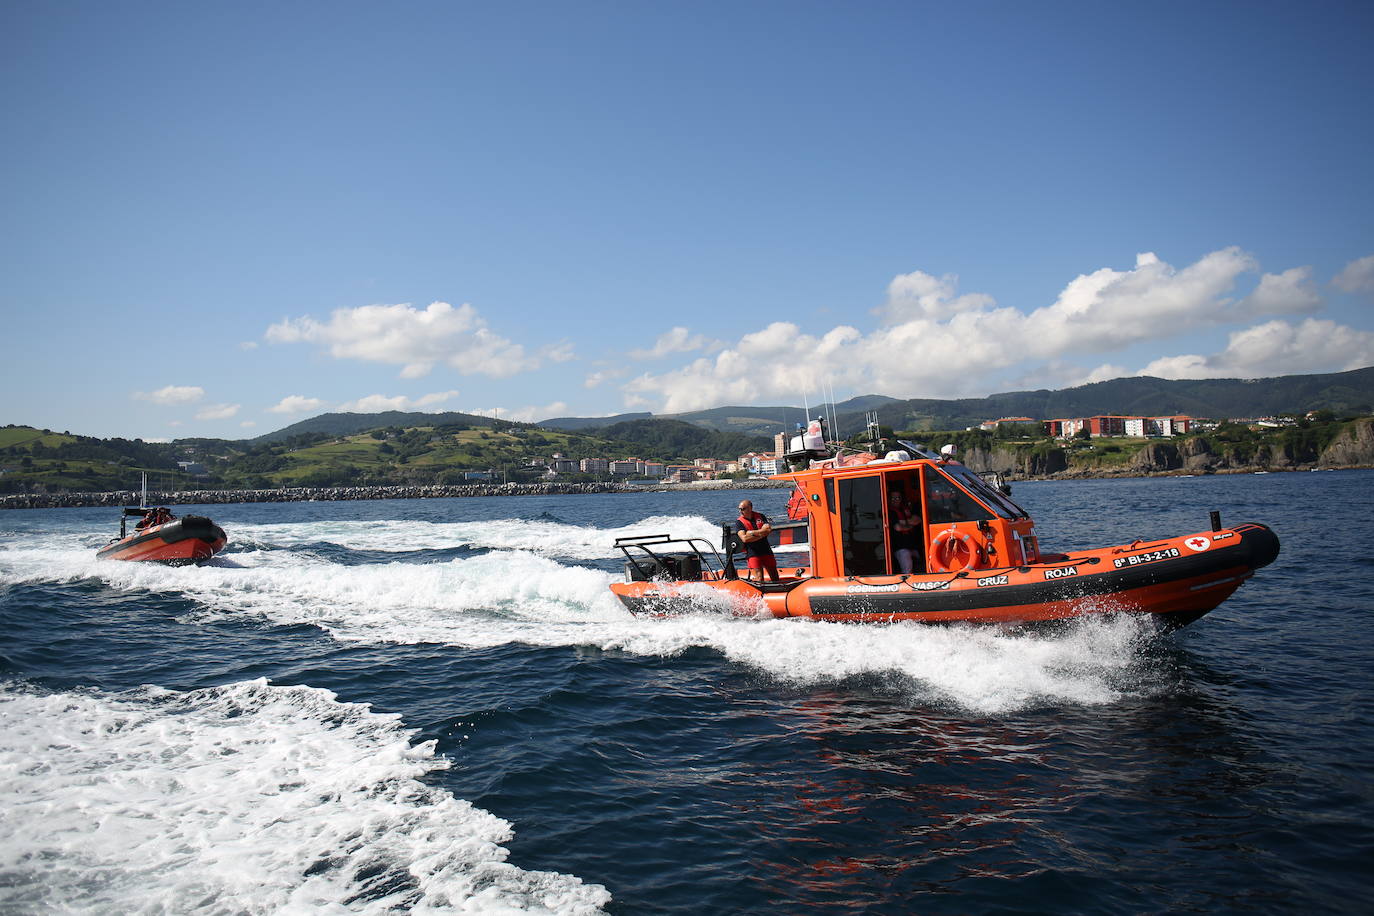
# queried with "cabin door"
point(863, 538)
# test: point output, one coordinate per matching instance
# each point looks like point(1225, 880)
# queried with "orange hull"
point(1177, 579)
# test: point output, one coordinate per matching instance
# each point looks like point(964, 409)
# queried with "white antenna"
point(143, 500)
point(834, 422)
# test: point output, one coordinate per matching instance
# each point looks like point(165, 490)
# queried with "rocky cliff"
point(1354, 446)
point(1197, 454)
point(1157, 456)
point(1033, 463)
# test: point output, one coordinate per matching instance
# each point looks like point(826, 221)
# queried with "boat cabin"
point(961, 522)
point(844, 514)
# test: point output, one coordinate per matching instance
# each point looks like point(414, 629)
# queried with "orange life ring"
point(949, 542)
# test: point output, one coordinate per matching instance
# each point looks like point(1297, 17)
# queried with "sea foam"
point(546, 538)
point(246, 798)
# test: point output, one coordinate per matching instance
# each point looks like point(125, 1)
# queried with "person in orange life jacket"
point(154, 517)
point(753, 529)
point(905, 524)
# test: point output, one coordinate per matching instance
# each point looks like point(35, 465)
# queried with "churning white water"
point(246, 798)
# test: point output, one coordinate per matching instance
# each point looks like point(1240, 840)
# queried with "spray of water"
point(246, 798)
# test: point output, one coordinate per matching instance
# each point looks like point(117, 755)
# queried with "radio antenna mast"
point(874, 430)
point(834, 422)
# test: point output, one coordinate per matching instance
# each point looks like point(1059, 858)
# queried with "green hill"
point(683, 440)
point(34, 460)
point(40, 458)
point(346, 424)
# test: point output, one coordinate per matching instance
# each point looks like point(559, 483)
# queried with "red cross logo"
point(1198, 543)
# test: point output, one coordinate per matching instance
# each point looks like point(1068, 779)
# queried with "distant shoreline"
point(443, 491)
point(341, 494)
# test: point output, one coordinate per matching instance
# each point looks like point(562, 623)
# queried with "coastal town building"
point(748, 461)
point(767, 467)
point(1119, 425)
point(684, 473)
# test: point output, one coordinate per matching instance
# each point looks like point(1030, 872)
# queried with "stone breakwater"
point(329, 494)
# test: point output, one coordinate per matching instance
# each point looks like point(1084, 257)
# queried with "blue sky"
point(221, 219)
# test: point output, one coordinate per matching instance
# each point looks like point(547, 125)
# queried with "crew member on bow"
point(752, 529)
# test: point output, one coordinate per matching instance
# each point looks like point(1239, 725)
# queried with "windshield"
point(992, 497)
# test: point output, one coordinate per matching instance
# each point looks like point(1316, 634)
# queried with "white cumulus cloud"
point(296, 403)
point(1276, 348)
point(376, 403)
point(1288, 293)
point(218, 412)
point(172, 395)
point(921, 295)
point(678, 340)
point(596, 379)
point(1357, 276)
point(528, 414)
point(777, 361)
point(935, 342)
point(415, 339)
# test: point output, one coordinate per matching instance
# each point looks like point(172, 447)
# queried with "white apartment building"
point(770, 466)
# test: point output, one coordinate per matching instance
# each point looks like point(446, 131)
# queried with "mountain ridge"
point(1349, 391)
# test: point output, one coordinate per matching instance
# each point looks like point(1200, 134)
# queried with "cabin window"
point(947, 503)
point(986, 492)
point(861, 526)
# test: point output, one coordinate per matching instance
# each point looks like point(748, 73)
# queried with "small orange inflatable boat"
point(161, 537)
point(974, 556)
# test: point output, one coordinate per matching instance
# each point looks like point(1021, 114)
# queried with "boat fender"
point(942, 550)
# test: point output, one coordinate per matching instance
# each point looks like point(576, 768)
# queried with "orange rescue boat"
point(976, 558)
point(161, 537)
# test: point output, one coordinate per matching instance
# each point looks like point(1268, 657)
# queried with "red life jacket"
point(761, 547)
point(749, 523)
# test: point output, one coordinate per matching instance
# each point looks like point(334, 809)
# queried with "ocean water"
point(436, 706)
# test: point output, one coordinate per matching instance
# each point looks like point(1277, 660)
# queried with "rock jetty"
point(329, 494)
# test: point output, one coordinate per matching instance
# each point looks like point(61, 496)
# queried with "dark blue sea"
point(435, 706)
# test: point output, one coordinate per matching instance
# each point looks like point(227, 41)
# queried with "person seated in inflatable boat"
point(154, 517)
